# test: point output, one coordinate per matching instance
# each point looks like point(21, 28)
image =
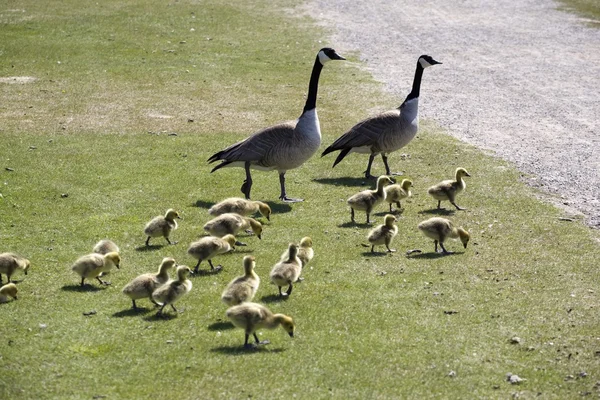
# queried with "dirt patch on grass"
point(18, 79)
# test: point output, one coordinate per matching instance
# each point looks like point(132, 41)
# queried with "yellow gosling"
point(447, 190)
point(173, 290)
point(8, 290)
point(242, 207)
point(439, 229)
point(368, 199)
point(11, 262)
point(105, 246)
point(162, 226)
point(230, 223)
point(93, 265)
point(243, 288)
point(287, 271)
point(144, 285)
point(384, 234)
point(210, 246)
point(252, 317)
point(396, 192)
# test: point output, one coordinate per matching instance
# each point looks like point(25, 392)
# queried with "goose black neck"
point(416, 87)
point(313, 87)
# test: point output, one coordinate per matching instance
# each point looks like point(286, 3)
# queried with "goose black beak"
point(435, 62)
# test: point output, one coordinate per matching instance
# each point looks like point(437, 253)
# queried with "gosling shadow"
point(397, 211)
point(279, 208)
point(273, 298)
point(204, 204)
point(151, 247)
point(132, 312)
point(85, 288)
point(161, 317)
point(221, 326)
point(432, 255)
point(376, 254)
point(438, 211)
point(241, 350)
point(345, 181)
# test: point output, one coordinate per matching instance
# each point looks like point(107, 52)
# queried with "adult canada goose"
point(162, 226)
point(252, 316)
point(210, 246)
point(105, 246)
point(396, 192)
point(8, 290)
point(243, 288)
point(284, 146)
point(144, 285)
point(10, 262)
point(230, 223)
point(448, 189)
point(173, 290)
point(439, 229)
point(384, 234)
point(385, 132)
point(366, 200)
point(93, 265)
point(287, 271)
point(240, 206)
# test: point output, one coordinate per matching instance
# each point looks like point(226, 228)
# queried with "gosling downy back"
point(383, 234)
point(252, 316)
point(287, 271)
point(11, 262)
point(173, 290)
point(366, 200)
point(144, 285)
point(448, 189)
point(243, 288)
point(439, 229)
point(105, 246)
point(92, 265)
point(7, 291)
point(162, 226)
point(241, 206)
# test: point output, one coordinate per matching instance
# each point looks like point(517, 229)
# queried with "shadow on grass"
point(438, 211)
point(85, 288)
point(207, 272)
point(376, 254)
point(345, 181)
point(132, 312)
point(279, 208)
point(433, 255)
point(397, 211)
point(241, 350)
point(351, 224)
point(204, 204)
point(273, 298)
point(165, 316)
point(152, 247)
point(221, 326)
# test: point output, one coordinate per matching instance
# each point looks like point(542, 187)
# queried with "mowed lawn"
point(109, 112)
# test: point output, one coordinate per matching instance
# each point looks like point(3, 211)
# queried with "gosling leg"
point(444, 251)
point(82, 280)
point(171, 243)
point(102, 282)
point(289, 291)
point(134, 306)
point(148, 241)
point(258, 341)
point(456, 205)
point(197, 267)
point(435, 242)
point(439, 204)
point(352, 214)
point(387, 245)
point(217, 268)
point(373, 249)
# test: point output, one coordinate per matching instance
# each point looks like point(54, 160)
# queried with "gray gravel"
point(519, 78)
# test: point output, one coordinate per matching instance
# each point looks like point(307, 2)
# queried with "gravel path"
point(519, 78)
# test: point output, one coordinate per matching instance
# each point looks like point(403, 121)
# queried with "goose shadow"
point(376, 254)
point(432, 255)
point(241, 350)
point(151, 247)
point(345, 181)
point(437, 211)
point(273, 298)
point(163, 317)
point(204, 204)
point(351, 224)
point(220, 326)
point(397, 211)
point(85, 288)
point(207, 272)
point(132, 312)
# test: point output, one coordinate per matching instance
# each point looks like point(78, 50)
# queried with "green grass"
point(367, 326)
point(586, 8)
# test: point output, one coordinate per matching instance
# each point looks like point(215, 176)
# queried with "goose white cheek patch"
point(323, 58)
point(424, 63)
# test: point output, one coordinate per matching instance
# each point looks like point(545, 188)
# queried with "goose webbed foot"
point(391, 250)
point(246, 189)
point(286, 199)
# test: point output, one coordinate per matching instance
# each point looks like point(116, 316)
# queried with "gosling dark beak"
point(117, 265)
point(291, 334)
point(269, 218)
point(260, 236)
point(25, 272)
point(464, 244)
point(468, 174)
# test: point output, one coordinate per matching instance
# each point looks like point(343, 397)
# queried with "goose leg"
point(387, 167)
point(247, 185)
point(283, 195)
point(368, 171)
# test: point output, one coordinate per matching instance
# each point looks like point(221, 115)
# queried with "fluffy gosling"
point(252, 316)
point(8, 290)
point(240, 206)
point(243, 288)
point(384, 234)
point(105, 246)
point(162, 226)
point(448, 189)
point(287, 271)
point(230, 223)
point(439, 229)
point(396, 192)
point(93, 265)
point(210, 246)
point(10, 262)
point(144, 285)
point(368, 199)
point(173, 290)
